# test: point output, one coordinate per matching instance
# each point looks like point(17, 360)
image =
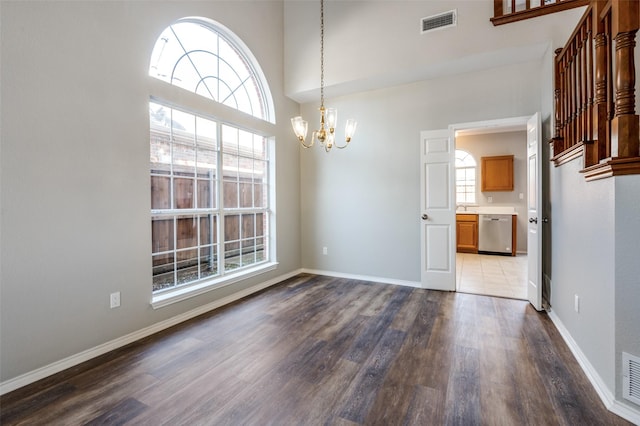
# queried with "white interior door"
point(534, 211)
point(437, 205)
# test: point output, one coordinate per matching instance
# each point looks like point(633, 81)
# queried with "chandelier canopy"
point(328, 116)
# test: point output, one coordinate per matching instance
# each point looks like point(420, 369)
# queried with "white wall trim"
point(363, 278)
point(603, 391)
point(73, 360)
point(626, 412)
point(607, 397)
point(509, 124)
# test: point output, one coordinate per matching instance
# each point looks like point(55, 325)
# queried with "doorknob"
point(533, 220)
point(425, 217)
point(545, 220)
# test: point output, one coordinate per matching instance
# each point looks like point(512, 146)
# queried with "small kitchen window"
point(465, 178)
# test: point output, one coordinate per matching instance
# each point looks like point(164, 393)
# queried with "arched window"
point(211, 186)
point(465, 178)
point(206, 58)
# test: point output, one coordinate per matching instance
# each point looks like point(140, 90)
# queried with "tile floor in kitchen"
point(492, 275)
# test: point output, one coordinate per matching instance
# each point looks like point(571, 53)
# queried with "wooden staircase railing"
point(595, 92)
point(507, 11)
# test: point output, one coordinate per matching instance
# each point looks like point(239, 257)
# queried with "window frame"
point(473, 165)
point(178, 98)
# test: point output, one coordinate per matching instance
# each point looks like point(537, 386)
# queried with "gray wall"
point(75, 169)
point(362, 203)
point(595, 229)
point(627, 270)
point(507, 143)
point(583, 253)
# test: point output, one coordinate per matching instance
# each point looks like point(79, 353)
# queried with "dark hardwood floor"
point(316, 350)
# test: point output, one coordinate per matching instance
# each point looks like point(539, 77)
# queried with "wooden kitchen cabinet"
point(497, 173)
point(467, 233)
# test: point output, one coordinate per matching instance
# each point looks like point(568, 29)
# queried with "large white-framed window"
point(465, 178)
point(211, 169)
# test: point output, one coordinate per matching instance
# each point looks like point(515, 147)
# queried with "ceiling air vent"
point(439, 21)
point(631, 377)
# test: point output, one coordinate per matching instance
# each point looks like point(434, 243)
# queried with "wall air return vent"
point(631, 377)
point(439, 21)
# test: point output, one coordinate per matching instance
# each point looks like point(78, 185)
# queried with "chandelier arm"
point(302, 142)
point(346, 144)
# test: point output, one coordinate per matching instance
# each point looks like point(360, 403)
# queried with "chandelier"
point(328, 116)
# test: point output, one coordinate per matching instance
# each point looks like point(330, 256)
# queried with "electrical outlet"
point(325, 251)
point(114, 299)
point(576, 303)
point(490, 199)
point(521, 196)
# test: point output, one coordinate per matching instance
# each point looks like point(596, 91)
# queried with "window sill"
point(187, 292)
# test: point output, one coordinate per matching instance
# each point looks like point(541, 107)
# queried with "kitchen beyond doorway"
point(491, 275)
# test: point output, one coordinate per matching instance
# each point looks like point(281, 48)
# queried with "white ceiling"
point(376, 44)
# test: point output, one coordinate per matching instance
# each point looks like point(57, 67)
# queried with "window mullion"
point(172, 204)
point(218, 71)
point(175, 250)
point(240, 238)
point(195, 169)
point(171, 156)
point(255, 239)
point(220, 200)
point(198, 245)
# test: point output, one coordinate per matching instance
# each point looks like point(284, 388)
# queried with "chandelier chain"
point(321, 53)
point(328, 117)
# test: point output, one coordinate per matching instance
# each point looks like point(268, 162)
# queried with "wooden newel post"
point(625, 126)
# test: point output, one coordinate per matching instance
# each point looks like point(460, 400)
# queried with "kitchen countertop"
point(488, 210)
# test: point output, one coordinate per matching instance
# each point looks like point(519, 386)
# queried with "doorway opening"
point(438, 233)
point(480, 270)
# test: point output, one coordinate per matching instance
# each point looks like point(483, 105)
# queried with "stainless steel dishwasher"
point(494, 233)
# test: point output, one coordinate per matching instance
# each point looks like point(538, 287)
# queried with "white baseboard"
point(363, 278)
point(605, 394)
point(626, 412)
point(73, 360)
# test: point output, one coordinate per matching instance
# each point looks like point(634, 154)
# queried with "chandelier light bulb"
point(330, 141)
point(300, 127)
point(350, 129)
point(332, 119)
